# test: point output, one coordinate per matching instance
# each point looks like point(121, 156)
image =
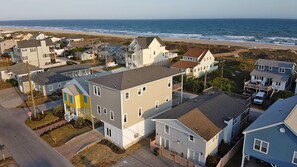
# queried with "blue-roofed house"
point(273, 136)
point(271, 74)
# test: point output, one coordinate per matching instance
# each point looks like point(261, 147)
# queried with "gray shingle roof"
point(277, 77)
point(70, 68)
point(145, 42)
point(131, 78)
point(274, 63)
point(33, 43)
point(49, 77)
point(206, 114)
point(276, 113)
point(20, 68)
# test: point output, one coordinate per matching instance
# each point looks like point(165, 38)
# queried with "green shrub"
point(80, 123)
point(212, 161)
point(13, 82)
point(58, 111)
point(223, 148)
point(281, 94)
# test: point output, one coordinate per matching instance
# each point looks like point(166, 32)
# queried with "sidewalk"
point(73, 146)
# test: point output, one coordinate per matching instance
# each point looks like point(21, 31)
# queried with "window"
point(71, 98)
point(169, 83)
point(139, 91)
point(156, 105)
point(154, 52)
point(85, 99)
point(108, 132)
point(166, 99)
point(97, 90)
point(59, 85)
point(270, 68)
point(281, 70)
point(261, 67)
point(294, 159)
point(111, 115)
point(127, 95)
point(65, 96)
point(166, 129)
point(139, 112)
point(144, 89)
point(50, 88)
point(261, 146)
point(125, 118)
point(191, 138)
point(105, 110)
point(277, 83)
point(98, 109)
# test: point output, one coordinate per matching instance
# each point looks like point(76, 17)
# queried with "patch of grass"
point(235, 160)
point(102, 155)
point(49, 117)
point(63, 134)
point(6, 63)
point(8, 162)
point(38, 100)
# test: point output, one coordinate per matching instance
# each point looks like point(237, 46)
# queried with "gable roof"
point(21, 68)
point(196, 52)
point(131, 78)
point(275, 114)
point(274, 63)
point(182, 64)
point(70, 68)
point(206, 114)
point(145, 42)
point(33, 43)
point(277, 77)
point(49, 77)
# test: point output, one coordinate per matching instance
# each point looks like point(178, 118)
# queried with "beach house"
point(195, 129)
point(196, 62)
point(126, 101)
point(37, 53)
point(271, 74)
point(273, 136)
point(6, 44)
point(145, 51)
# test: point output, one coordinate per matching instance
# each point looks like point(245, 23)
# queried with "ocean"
point(272, 31)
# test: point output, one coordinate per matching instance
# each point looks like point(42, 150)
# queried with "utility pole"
point(94, 63)
point(205, 79)
point(222, 73)
point(31, 91)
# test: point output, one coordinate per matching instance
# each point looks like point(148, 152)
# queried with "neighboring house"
point(273, 136)
point(37, 53)
point(39, 36)
point(145, 51)
point(86, 55)
point(6, 44)
point(18, 71)
point(49, 82)
point(271, 74)
point(76, 97)
point(195, 128)
point(126, 101)
point(117, 52)
point(55, 39)
point(22, 37)
point(74, 71)
point(196, 62)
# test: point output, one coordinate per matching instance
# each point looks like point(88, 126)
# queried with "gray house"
point(271, 74)
point(74, 71)
point(195, 129)
point(273, 136)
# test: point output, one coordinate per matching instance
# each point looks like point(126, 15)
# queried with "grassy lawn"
point(49, 117)
point(5, 85)
point(8, 162)
point(114, 67)
point(235, 160)
point(39, 100)
point(63, 134)
point(102, 155)
point(5, 63)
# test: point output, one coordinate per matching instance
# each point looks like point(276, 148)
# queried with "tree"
point(212, 161)
point(227, 85)
point(223, 148)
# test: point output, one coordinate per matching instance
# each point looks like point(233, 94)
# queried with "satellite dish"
point(282, 130)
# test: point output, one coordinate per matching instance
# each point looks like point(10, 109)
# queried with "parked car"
point(259, 98)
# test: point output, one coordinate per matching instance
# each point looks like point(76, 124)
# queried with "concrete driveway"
point(11, 97)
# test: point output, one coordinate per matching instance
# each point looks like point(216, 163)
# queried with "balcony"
point(170, 55)
point(176, 87)
point(250, 85)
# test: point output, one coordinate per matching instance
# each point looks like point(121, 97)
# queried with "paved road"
point(25, 146)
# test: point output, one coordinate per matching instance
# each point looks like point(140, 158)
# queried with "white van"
point(259, 98)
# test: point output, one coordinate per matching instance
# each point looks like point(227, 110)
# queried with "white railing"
point(171, 55)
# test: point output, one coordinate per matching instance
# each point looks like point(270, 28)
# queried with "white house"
point(86, 55)
point(145, 51)
point(39, 36)
point(195, 62)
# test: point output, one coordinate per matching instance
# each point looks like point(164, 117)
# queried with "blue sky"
point(151, 9)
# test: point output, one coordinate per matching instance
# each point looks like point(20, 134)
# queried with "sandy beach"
point(249, 45)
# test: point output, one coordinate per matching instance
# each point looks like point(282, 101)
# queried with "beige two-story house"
point(125, 102)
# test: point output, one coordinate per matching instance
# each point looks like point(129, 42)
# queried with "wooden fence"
point(230, 154)
point(173, 156)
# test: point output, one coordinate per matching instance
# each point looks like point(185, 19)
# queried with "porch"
point(71, 113)
point(257, 86)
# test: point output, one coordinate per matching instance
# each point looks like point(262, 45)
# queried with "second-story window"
point(98, 109)
point(169, 83)
point(85, 99)
point(127, 95)
point(97, 90)
point(277, 83)
point(261, 146)
point(51, 87)
point(139, 91)
point(156, 105)
point(260, 67)
point(294, 160)
point(166, 129)
point(270, 68)
point(139, 111)
point(111, 115)
point(71, 98)
point(125, 118)
point(105, 110)
point(191, 138)
point(65, 96)
point(281, 70)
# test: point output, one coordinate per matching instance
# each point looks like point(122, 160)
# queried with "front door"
point(165, 143)
point(194, 156)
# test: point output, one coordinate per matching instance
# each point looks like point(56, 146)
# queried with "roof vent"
point(227, 119)
point(195, 99)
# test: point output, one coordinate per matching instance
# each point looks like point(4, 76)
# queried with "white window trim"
point(294, 154)
point(261, 67)
point(111, 114)
point(105, 109)
point(138, 91)
point(125, 95)
point(59, 85)
point(50, 87)
point(260, 146)
point(190, 139)
point(280, 69)
point(98, 106)
point(124, 118)
point(98, 89)
point(138, 112)
point(165, 129)
point(157, 104)
point(145, 89)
